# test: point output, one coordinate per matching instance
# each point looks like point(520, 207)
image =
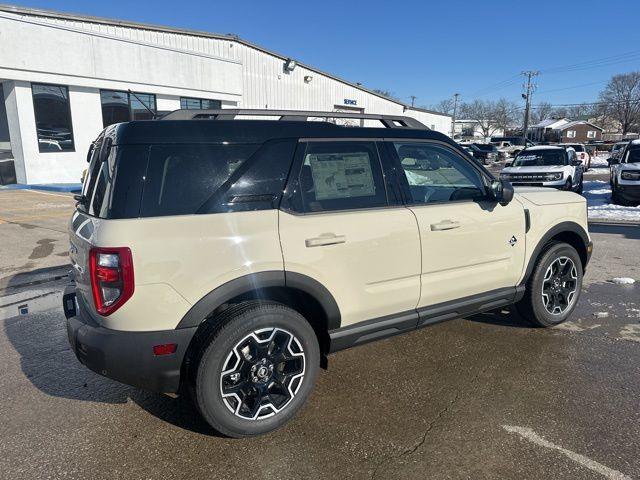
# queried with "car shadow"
point(48, 362)
point(506, 317)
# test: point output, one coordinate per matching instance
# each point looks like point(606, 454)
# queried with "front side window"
point(436, 174)
point(53, 118)
point(341, 176)
point(539, 158)
point(633, 156)
point(120, 107)
point(199, 104)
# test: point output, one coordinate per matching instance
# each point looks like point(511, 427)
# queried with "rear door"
point(470, 244)
point(343, 226)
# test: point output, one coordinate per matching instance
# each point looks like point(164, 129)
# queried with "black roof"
point(250, 131)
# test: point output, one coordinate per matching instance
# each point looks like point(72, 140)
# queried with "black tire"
point(259, 373)
point(580, 187)
point(568, 185)
point(615, 198)
point(534, 307)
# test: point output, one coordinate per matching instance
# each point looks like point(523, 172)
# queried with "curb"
point(51, 187)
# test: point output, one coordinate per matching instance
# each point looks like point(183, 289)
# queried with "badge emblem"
point(513, 240)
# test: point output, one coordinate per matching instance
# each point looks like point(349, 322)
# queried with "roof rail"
point(389, 121)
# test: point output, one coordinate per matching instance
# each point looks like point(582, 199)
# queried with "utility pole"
point(413, 99)
point(455, 110)
point(529, 88)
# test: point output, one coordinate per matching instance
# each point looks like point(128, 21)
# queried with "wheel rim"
point(262, 373)
point(559, 286)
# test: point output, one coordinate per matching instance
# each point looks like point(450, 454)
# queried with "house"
point(564, 130)
point(467, 129)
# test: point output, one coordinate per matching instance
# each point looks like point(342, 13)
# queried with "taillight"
point(111, 272)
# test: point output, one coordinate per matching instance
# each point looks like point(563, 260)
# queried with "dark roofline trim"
point(39, 12)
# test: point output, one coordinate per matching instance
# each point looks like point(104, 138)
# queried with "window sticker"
point(341, 175)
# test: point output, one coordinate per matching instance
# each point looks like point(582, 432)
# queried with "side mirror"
point(576, 163)
point(501, 191)
point(613, 161)
point(507, 164)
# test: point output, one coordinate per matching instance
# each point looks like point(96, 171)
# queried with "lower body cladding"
point(128, 357)
point(518, 183)
point(628, 193)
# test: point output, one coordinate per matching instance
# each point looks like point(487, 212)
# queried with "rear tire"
point(554, 286)
point(256, 370)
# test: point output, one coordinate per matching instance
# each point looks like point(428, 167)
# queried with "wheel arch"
point(300, 292)
point(568, 232)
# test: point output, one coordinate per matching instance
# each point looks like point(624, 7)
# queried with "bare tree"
point(490, 116)
point(540, 112)
point(444, 106)
point(620, 100)
point(385, 93)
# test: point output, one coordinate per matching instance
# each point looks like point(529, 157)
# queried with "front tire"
point(256, 370)
point(553, 289)
point(580, 187)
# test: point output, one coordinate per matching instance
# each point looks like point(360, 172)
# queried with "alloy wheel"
point(559, 285)
point(262, 373)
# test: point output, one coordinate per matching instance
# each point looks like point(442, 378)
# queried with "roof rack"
point(389, 121)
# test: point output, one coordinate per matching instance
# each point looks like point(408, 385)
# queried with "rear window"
point(577, 148)
point(181, 178)
point(129, 181)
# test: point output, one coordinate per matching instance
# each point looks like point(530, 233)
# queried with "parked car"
point(486, 152)
point(546, 166)
point(507, 149)
point(581, 152)
point(616, 151)
point(625, 175)
point(228, 258)
point(518, 143)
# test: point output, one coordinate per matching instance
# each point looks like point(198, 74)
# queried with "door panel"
point(476, 256)
point(370, 262)
point(339, 226)
point(470, 245)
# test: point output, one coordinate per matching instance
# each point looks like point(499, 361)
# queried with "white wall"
point(87, 57)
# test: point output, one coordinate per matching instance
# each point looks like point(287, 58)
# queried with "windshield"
point(542, 158)
point(634, 156)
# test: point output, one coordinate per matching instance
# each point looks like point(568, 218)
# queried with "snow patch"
point(623, 281)
point(598, 195)
point(601, 314)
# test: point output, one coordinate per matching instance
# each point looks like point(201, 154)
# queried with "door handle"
point(444, 225)
point(325, 239)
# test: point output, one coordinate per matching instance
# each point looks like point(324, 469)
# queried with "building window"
point(199, 104)
point(591, 134)
point(124, 106)
point(53, 118)
point(571, 134)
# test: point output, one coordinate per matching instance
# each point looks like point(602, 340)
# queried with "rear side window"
point(182, 178)
point(341, 176)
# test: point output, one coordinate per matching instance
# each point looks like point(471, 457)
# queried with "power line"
point(572, 87)
point(587, 64)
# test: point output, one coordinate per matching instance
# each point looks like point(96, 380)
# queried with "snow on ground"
point(623, 281)
point(598, 195)
point(600, 161)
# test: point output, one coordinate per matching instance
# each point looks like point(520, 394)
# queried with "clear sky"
point(422, 48)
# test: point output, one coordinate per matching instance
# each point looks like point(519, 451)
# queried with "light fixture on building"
point(308, 78)
point(290, 65)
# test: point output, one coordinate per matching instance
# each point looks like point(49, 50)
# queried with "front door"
point(339, 227)
point(470, 245)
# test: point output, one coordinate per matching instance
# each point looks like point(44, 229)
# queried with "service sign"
point(349, 101)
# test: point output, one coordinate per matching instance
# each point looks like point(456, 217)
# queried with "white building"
point(65, 77)
point(469, 130)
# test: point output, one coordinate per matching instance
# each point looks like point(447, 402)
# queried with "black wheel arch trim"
point(257, 281)
point(563, 227)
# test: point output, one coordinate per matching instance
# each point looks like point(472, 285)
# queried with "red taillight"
point(165, 349)
point(111, 271)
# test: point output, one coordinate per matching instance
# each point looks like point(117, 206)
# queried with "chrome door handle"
point(444, 225)
point(325, 239)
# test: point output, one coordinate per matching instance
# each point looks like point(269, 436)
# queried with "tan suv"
point(226, 258)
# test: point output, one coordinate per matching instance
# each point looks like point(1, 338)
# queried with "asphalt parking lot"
point(486, 397)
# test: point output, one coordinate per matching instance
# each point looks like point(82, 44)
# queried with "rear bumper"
point(125, 356)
